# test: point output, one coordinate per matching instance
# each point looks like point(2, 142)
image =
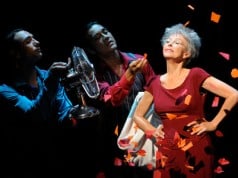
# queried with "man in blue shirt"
point(31, 101)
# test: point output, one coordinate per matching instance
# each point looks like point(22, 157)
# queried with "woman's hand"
point(158, 133)
point(200, 126)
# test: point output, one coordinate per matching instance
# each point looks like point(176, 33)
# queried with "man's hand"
point(60, 69)
point(135, 66)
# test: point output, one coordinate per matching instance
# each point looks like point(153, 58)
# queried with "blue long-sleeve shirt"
point(31, 121)
point(48, 102)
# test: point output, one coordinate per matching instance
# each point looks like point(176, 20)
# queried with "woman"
point(185, 148)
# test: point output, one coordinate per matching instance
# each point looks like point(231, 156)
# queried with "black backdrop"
point(138, 26)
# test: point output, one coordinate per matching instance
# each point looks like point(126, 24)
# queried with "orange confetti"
point(128, 156)
point(135, 144)
point(116, 130)
point(181, 143)
point(188, 146)
point(163, 160)
point(189, 167)
point(187, 99)
point(215, 17)
point(182, 116)
point(171, 116)
point(215, 101)
point(234, 73)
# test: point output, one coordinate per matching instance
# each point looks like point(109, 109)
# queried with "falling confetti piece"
point(117, 161)
point(131, 164)
point(128, 156)
point(141, 152)
point(189, 167)
point(215, 17)
point(225, 55)
point(218, 133)
point(223, 161)
point(188, 146)
point(135, 144)
point(107, 97)
point(156, 174)
point(185, 92)
point(187, 99)
point(187, 23)
point(181, 143)
point(149, 166)
point(218, 170)
point(234, 73)
point(116, 130)
point(100, 175)
point(190, 7)
point(182, 116)
point(74, 122)
point(158, 155)
point(171, 116)
point(215, 101)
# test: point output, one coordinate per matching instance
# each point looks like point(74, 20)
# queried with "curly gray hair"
point(194, 41)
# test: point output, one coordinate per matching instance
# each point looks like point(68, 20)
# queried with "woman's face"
point(176, 47)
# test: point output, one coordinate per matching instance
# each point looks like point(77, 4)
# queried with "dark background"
point(138, 27)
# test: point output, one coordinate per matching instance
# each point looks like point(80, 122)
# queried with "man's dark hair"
point(9, 48)
point(11, 45)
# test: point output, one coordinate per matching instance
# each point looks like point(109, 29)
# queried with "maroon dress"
point(180, 153)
